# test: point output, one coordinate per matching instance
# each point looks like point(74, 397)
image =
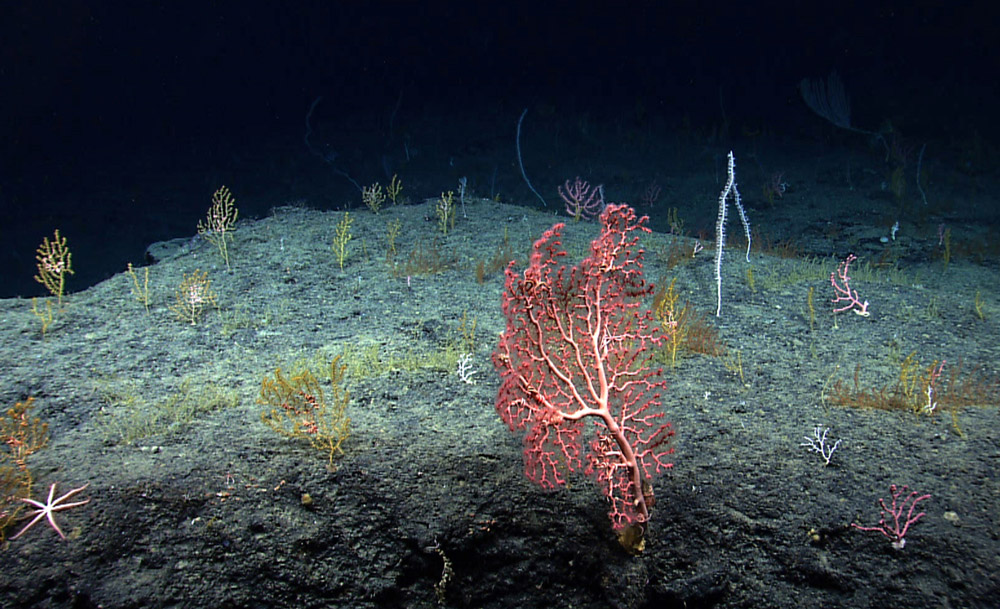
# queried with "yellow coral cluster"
point(684, 329)
point(917, 389)
point(922, 390)
point(671, 319)
point(299, 408)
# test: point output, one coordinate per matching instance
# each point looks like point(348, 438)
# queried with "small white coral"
point(817, 443)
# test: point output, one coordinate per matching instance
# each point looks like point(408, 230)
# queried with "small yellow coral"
point(192, 296)
point(341, 238)
point(54, 262)
point(220, 222)
point(445, 210)
point(373, 197)
point(394, 188)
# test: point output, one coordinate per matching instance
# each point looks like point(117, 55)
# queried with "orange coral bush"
point(20, 435)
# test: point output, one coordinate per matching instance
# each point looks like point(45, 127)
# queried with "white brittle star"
point(51, 506)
